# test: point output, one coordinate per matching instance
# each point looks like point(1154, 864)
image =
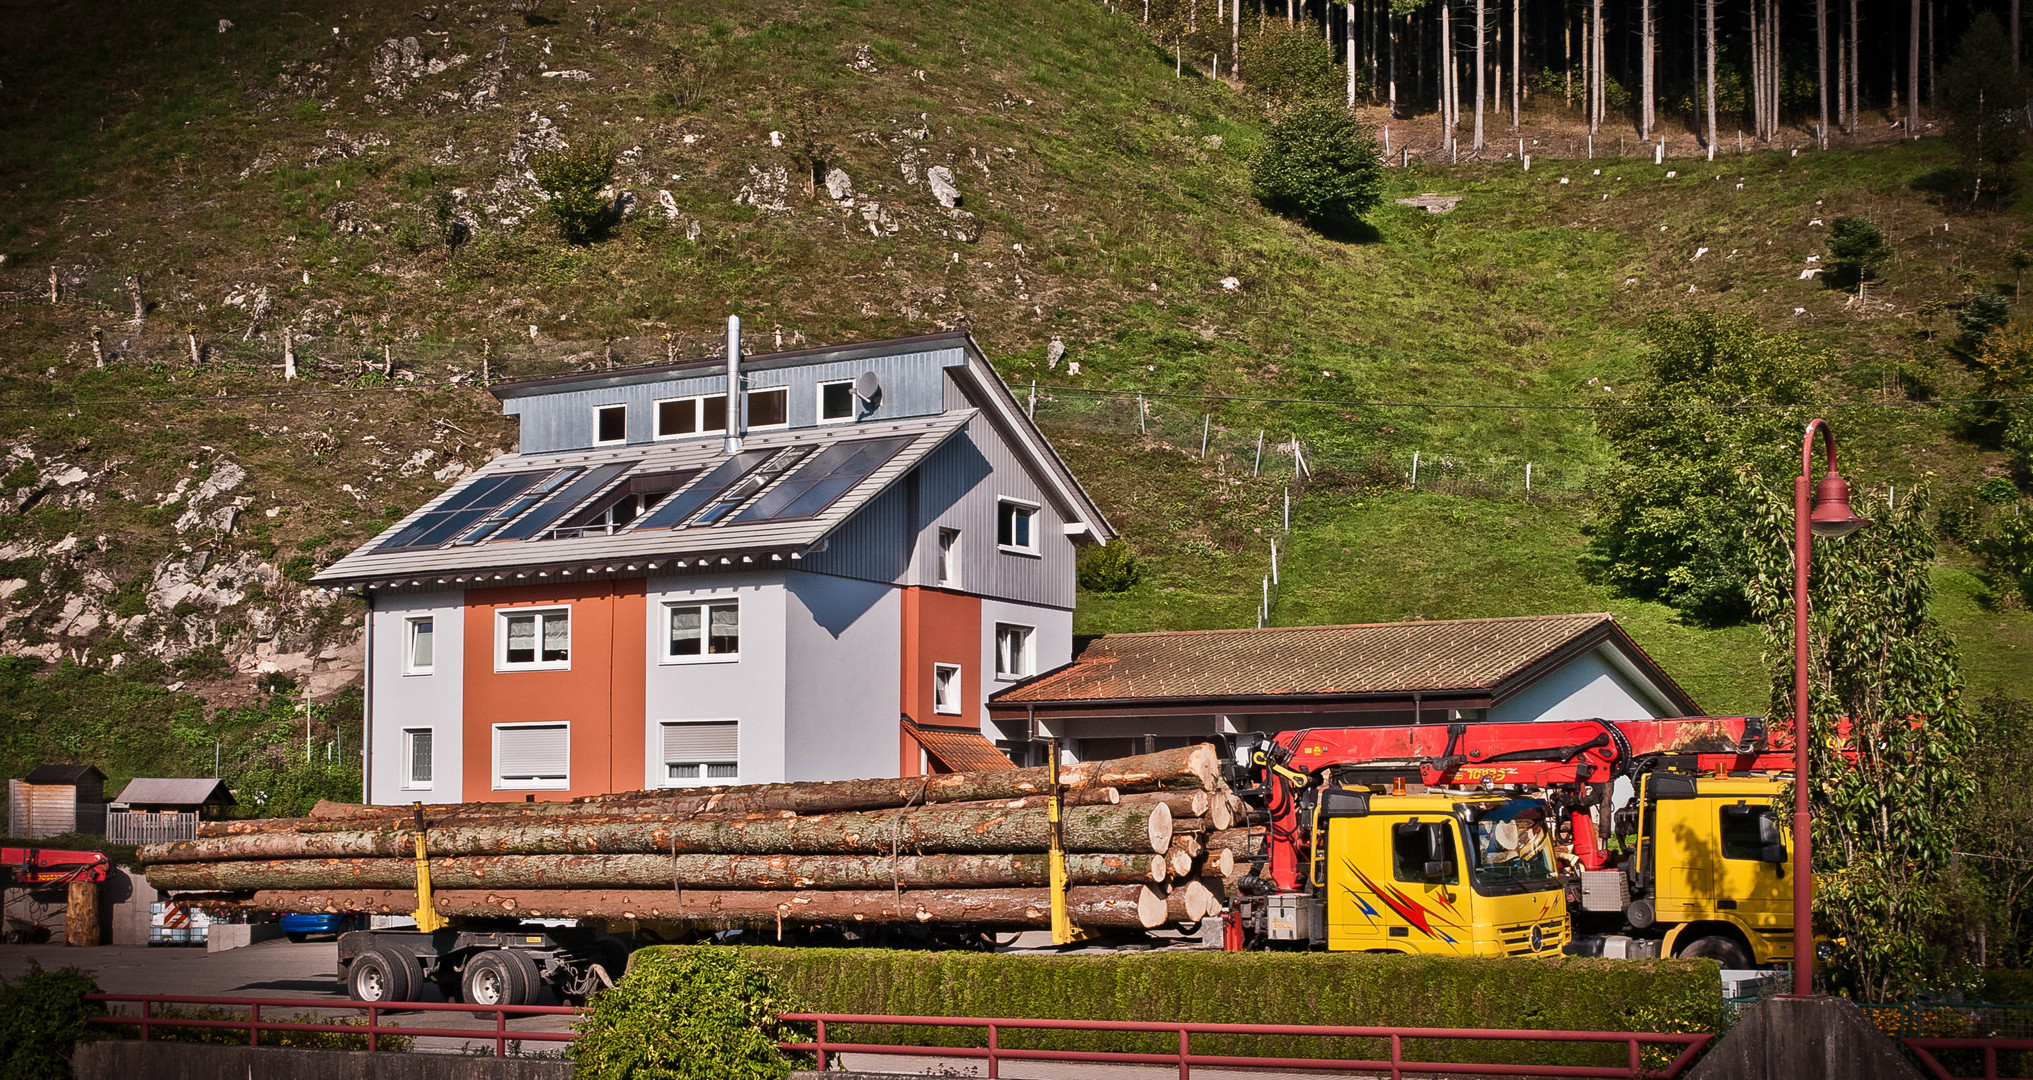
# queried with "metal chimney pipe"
point(734, 418)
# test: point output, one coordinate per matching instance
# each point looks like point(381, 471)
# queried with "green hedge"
point(1266, 988)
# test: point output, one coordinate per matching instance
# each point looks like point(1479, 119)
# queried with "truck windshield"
point(1510, 847)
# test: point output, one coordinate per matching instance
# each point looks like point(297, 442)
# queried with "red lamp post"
point(1830, 517)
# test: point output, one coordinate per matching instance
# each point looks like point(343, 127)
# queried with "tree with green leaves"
point(1318, 163)
point(1890, 744)
point(1983, 93)
point(2005, 363)
point(574, 183)
point(1997, 831)
point(1671, 516)
point(1856, 251)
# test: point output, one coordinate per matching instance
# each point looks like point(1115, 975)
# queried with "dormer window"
point(769, 408)
point(691, 416)
point(836, 402)
point(610, 424)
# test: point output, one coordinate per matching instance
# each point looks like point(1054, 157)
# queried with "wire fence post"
point(1528, 479)
point(1034, 399)
point(1206, 424)
point(1288, 509)
point(1141, 429)
point(1415, 469)
point(1274, 562)
point(1257, 467)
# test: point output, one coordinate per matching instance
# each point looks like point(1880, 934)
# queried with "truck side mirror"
point(1773, 853)
point(1436, 870)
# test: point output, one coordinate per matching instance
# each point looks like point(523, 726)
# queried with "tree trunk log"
point(1101, 907)
point(1086, 829)
point(1200, 901)
point(1236, 840)
point(663, 871)
point(81, 914)
point(1183, 804)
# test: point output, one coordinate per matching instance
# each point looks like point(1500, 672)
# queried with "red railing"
point(376, 1012)
point(1396, 1065)
point(1923, 1047)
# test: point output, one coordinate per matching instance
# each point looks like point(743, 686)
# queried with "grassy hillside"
point(254, 169)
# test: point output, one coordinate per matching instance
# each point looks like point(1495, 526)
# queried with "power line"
point(1351, 402)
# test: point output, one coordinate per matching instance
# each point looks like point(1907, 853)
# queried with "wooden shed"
point(157, 810)
point(56, 799)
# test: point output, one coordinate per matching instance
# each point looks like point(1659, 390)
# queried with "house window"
point(947, 570)
point(836, 401)
point(532, 756)
point(1016, 527)
point(946, 689)
point(701, 751)
point(706, 631)
point(533, 640)
point(691, 416)
point(1013, 656)
point(769, 408)
point(417, 751)
point(420, 652)
point(610, 424)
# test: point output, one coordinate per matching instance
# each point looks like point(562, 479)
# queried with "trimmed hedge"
point(1256, 987)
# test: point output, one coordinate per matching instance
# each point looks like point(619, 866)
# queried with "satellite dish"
point(867, 388)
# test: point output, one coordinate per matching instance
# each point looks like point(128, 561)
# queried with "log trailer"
point(1660, 836)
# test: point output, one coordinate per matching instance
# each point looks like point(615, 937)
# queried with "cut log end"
point(1161, 828)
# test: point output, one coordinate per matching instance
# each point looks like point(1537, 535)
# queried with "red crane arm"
point(48, 866)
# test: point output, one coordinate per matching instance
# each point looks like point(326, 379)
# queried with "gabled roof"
point(177, 791)
point(1493, 656)
point(62, 774)
point(959, 749)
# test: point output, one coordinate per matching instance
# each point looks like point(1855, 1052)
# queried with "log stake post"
point(427, 918)
point(1063, 931)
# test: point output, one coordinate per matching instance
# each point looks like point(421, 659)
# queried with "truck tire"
point(1725, 951)
point(383, 974)
point(499, 977)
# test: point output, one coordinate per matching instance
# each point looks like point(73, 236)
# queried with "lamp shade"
point(1831, 515)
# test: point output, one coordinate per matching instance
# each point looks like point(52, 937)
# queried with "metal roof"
point(175, 791)
point(1402, 658)
point(61, 774)
point(708, 365)
point(959, 749)
point(637, 548)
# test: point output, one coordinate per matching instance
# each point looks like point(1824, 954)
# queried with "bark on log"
point(1183, 804)
point(1239, 841)
point(1200, 900)
point(1218, 863)
point(81, 914)
point(663, 871)
point(1099, 907)
point(1177, 910)
point(1182, 856)
point(1086, 829)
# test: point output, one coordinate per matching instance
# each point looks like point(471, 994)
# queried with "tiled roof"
point(703, 455)
point(959, 750)
point(175, 791)
point(1372, 658)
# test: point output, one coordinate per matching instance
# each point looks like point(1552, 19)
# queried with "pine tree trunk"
point(1350, 9)
point(1450, 101)
point(664, 871)
point(1913, 75)
point(1595, 58)
point(1757, 75)
point(1647, 44)
point(1097, 907)
point(1517, 64)
point(1481, 65)
point(1841, 76)
point(1601, 72)
point(1567, 59)
point(1711, 78)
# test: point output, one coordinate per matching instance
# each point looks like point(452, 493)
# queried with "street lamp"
point(1830, 517)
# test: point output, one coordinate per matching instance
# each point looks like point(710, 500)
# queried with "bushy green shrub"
point(1856, 250)
point(42, 1015)
point(1289, 64)
point(2009, 551)
point(1998, 491)
point(1258, 987)
point(1318, 163)
point(1113, 568)
point(573, 181)
point(685, 1013)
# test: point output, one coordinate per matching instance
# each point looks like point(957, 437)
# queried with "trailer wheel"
point(1722, 950)
point(383, 974)
point(499, 977)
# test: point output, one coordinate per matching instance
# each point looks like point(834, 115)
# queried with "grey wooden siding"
point(913, 384)
point(874, 544)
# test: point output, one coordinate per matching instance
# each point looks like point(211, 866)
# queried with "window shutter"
point(535, 752)
point(684, 743)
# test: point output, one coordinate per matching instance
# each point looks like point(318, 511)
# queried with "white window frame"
point(531, 785)
point(602, 408)
point(409, 780)
point(1026, 661)
point(940, 704)
point(705, 629)
point(698, 403)
point(661, 776)
point(946, 560)
point(501, 617)
point(1036, 512)
point(746, 394)
point(409, 633)
point(819, 402)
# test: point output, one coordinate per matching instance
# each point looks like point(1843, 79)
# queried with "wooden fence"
point(143, 828)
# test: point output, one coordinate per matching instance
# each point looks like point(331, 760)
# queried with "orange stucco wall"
point(939, 627)
point(601, 695)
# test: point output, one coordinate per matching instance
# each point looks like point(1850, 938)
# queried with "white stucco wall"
point(748, 690)
point(1052, 642)
point(1589, 687)
point(842, 685)
point(401, 701)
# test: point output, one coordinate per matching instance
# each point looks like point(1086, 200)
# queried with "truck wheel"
point(499, 977)
point(382, 975)
point(1722, 950)
point(297, 937)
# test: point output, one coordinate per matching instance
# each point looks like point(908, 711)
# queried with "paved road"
point(271, 969)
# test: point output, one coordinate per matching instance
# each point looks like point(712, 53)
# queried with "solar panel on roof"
point(677, 508)
point(558, 505)
point(831, 473)
point(470, 504)
point(752, 483)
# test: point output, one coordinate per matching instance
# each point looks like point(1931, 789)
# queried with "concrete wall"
point(749, 689)
point(401, 701)
point(1588, 687)
point(129, 897)
point(127, 1059)
point(841, 677)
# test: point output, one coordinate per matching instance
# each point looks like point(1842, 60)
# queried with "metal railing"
point(1924, 1048)
point(373, 1029)
point(150, 828)
point(1396, 1066)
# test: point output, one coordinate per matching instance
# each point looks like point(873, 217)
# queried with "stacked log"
point(961, 849)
